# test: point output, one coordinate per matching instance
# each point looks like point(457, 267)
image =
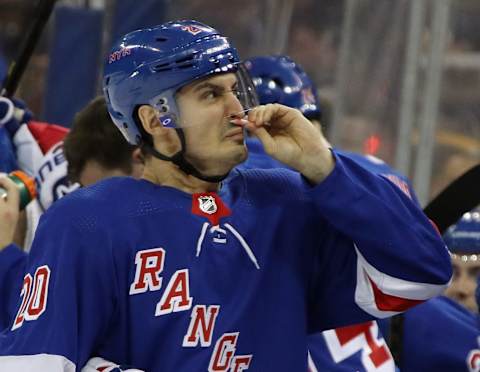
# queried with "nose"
point(463, 287)
point(233, 106)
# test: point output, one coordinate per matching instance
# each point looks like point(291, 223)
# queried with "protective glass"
point(169, 113)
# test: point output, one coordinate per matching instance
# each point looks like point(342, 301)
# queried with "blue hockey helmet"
point(149, 66)
point(278, 79)
point(464, 236)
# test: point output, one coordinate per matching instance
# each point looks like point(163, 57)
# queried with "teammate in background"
point(195, 273)
point(95, 150)
point(463, 242)
point(279, 79)
point(29, 141)
point(453, 321)
point(361, 347)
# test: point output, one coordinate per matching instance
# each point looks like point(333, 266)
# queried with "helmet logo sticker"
point(192, 29)
point(118, 55)
point(308, 96)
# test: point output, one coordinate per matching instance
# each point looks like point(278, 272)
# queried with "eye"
point(210, 94)
point(237, 92)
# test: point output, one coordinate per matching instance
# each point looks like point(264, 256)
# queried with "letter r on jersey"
point(149, 264)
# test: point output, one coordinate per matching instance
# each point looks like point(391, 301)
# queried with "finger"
point(269, 144)
point(252, 115)
point(268, 113)
point(13, 195)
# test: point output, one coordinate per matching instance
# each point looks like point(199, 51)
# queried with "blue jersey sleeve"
point(12, 268)
point(68, 295)
point(380, 256)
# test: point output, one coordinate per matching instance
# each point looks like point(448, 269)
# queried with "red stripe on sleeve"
point(386, 302)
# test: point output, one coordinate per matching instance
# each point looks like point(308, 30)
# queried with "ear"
point(149, 120)
point(138, 163)
point(137, 156)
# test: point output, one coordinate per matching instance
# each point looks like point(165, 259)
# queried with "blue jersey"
point(12, 268)
point(153, 277)
point(360, 347)
point(451, 328)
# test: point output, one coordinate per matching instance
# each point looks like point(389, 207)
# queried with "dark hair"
point(93, 136)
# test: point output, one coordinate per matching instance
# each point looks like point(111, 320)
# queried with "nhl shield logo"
point(207, 204)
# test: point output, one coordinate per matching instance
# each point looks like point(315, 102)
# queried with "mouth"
point(235, 134)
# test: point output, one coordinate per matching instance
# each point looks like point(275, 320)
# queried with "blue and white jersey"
point(162, 280)
point(453, 330)
point(360, 347)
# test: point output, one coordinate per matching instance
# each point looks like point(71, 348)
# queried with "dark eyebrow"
point(206, 84)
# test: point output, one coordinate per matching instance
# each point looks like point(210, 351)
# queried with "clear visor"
point(228, 94)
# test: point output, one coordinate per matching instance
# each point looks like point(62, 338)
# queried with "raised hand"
point(292, 139)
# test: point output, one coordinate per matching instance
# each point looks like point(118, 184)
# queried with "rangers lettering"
point(201, 326)
point(223, 352)
point(149, 264)
point(241, 363)
point(176, 296)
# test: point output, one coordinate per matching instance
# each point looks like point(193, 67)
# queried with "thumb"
point(13, 194)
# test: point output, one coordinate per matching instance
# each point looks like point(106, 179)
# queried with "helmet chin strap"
point(179, 160)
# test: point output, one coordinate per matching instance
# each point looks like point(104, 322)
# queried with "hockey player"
point(451, 322)
point(360, 347)
point(193, 273)
point(90, 158)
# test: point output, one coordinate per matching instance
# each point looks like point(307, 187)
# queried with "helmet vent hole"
point(162, 67)
point(278, 82)
point(161, 39)
point(185, 62)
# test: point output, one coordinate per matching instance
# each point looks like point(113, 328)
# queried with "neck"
point(166, 173)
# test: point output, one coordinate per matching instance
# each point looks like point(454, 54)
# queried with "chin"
point(241, 153)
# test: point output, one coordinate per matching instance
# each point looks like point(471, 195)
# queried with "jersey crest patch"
point(211, 206)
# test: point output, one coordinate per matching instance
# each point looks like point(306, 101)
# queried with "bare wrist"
point(320, 168)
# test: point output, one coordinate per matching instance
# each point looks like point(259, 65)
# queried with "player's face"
point(214, 145)
point(466, 269)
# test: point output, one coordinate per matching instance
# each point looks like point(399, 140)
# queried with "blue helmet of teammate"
point(278, 79)
point(149, 66)
point(464, 236)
